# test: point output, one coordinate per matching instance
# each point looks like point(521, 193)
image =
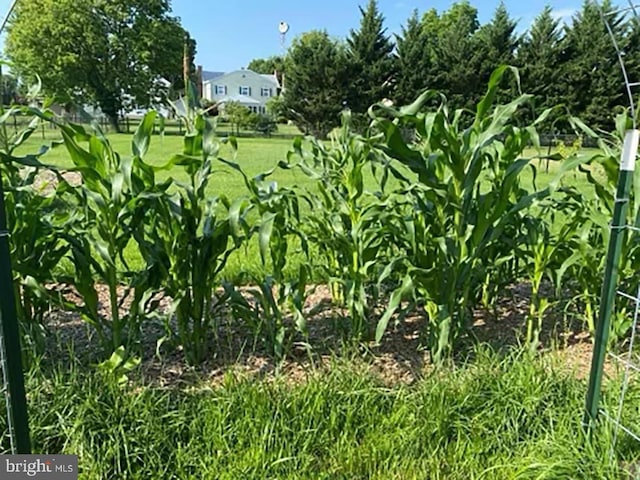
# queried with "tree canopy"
point(267, 65)
point(371, 60)
point(109, 54)
point(316, 85)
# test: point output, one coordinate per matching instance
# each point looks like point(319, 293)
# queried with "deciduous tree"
point(267, 65)
point(97, 52)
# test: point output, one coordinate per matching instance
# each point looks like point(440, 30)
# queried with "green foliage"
point(496, 44)
point(118, 366)
point(275, 303)
point(237, 114)
point(32, 215)
point(106, 210)
point(416, 56)
point(277, 109)
point(189, 239)
point(455, 54)
point(493, 418)
point(461, 213)
point(349, 225)
point(371, 61)
point(442, 220)
point(539, 57)
point(97, 52)
point(590, 220)
point(264, 124)
point(593, 83)
point(316, 83)
point(267, 65)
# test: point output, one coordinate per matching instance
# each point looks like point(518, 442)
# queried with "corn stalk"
point(461, 207)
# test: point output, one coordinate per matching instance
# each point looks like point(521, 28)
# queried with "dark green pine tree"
point(631, 46)
point(540, 60)
point(413, 59)
point(496, 43)
point(593, 85)
point(316, 83)
point(456, 60)
point(372, 63)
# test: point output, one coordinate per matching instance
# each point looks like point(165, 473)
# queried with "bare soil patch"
point(399, 359)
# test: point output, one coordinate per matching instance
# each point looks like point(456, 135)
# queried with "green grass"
point(490, 419)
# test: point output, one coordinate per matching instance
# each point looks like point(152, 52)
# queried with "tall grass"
point(499, 418)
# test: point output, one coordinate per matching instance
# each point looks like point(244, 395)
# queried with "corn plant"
point(462, 204)
point(275, 295)
point(586, 264)
point(542, 252)
point(188, 236)
point(104, 211)
point(347, 223)
point(35, 246)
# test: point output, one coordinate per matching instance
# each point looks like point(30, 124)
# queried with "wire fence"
point(618, 411)
point(166, 127)
point(612, 292)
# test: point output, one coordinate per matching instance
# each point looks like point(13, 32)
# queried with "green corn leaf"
point(117, 185)
point(487, 100)
point(103, 251)
point(142, 137)
point(79, 156)
point(394, 302)
point(266, 229)
point(236, 216)
point(209, 145)
point(126, 169)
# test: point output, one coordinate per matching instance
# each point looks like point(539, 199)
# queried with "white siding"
point(247, 86)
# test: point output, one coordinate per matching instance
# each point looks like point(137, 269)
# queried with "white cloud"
point(564, 14)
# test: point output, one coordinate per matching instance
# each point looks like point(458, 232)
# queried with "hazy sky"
point(231, 33)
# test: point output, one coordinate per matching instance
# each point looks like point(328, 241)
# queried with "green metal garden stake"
point(608, 294)
point(11, 338)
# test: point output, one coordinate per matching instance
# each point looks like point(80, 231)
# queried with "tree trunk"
point(115, 124)
point(111, 106)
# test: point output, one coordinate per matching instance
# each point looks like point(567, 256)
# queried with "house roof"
point(208, 75)
point(239, 98)
point(271, 77)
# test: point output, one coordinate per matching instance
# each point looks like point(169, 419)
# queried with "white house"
point(247, 87)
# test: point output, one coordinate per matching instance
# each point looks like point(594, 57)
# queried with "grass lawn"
point(255, 155)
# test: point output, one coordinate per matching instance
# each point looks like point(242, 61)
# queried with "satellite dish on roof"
point(283, 27)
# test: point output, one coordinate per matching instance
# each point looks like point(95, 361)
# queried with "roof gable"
point(207, 75)
point(269, 77)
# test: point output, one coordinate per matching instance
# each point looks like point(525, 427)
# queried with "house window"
point(265, 92)
point(221, 89)
point(245, 90)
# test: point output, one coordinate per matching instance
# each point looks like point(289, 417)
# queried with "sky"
point(230, 34)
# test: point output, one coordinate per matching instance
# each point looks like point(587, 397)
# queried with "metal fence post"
point(17, 404)
point(607, 299)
